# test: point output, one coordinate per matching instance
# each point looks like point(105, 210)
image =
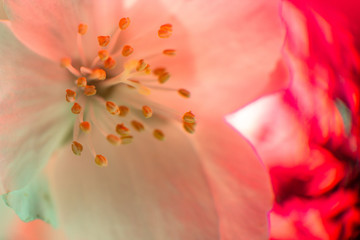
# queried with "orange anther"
point(103, 40)
point(189, 117)
point(82, 28)
point(76, 108)
point(122, 130)
point(162, 78)
point(81, 82)
point(70, 95)
point(89, 90)
point(103, 55)
point(127, 50)
point(114, 140)
point(147, 111)
point(126, 139)
point(85, 126)
point(169, 52)
point(159, 71)
point(141, 65)
point(124, 23)
point(98, 74)
point(189, 127)
point(101, 161)
point(66, 62)
point(112, 108)
point(124, 110)
point(110, 63)
point(138, 125)
point(158, 134)
point(77, 148)
point(165, 31)
point(183, 92)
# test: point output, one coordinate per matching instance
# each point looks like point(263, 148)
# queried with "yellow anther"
point(147, 111)
point(81, 82)
point(76, 108)
point(169, 52)
point(165, 31)
point(82, 28)
point(103, 55)
point(126, 139)
point(162, 78)
point(101, 161)
point(183, 92)
point(124, 23)
point(89, 90)
point(85, 127)
point(138, 125)
point(110, 63)
point(66, 62)
point(114, 140)
point(189, 127)
point(112, 108)
point(141, 65)
point(189, 117)
point(159, 71)
point(122, 130)
point(98, 74)
point(124, 110)
point(158, 134)
point(77, 148)
point(103, 40)
point(127, 50)
point(70, 95)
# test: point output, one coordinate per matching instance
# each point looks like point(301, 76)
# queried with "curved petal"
point(33, 116)
point(151, 189)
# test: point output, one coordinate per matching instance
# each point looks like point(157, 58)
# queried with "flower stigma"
point(93, 80)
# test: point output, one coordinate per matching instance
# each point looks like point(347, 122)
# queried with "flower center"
point(93, 86)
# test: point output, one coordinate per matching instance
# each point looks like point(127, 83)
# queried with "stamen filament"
point(81, 49)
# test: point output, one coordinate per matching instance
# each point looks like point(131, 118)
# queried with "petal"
point(151, 189)
point(6, 218)
point(33, 117)
point(239, 182)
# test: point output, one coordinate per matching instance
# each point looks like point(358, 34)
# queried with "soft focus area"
point(308, 134)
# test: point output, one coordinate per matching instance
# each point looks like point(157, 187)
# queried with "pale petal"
point(151, 189)
point(33, 117)
point(6, 218)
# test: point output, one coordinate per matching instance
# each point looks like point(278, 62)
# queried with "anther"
point(98, 74)
point(103, 55)
point(165, 31)
point(77, 148)
point(162, 78)
point(112, 108)
point(147, 111)
point(122, 130)
point(189, 127)
point(169, 52)
point(82, 29)
point(124, 23)
point(89, 90)
point(101, 161)
point(103, 40)
point(70, 95)
point(189, 117)
point(158, 134)
point(66, 62)
point(114, 140)
point(85, 127)
point(76, 108)
point(110, 63)
point(138, 125)
point(127, 50)
point(124, 110)
point(141, 65)
point(183, 92)
point(81, 82)
point(159, 71)
point(126, 139)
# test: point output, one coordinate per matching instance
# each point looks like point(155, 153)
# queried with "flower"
point(184, 187)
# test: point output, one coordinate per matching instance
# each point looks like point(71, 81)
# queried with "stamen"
point(112, 108)
point(98, 74)
point(103, 55)
point(124, 23)
point(169, 52)
point(81, 82)
point(82, 29)
point(147, 111)
point(66, 63)
point(162, 78)
point(76, 108)
point(122, 130)
point(141, 65)
point(124, 110)
point(189, 127)
point(126, 139)
point(138, 125)
point(89, 90)
point(158, 134)
point(77, 148)
point(127, 50)
point(110, 63)
point(189, 117)
point(183, 92)
point(85, 70)
point(103, 40)
point(159, 71)
point(165, 31)
point(85, 127)
point(101, 161)
point(115, 140)
point(70, 95)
